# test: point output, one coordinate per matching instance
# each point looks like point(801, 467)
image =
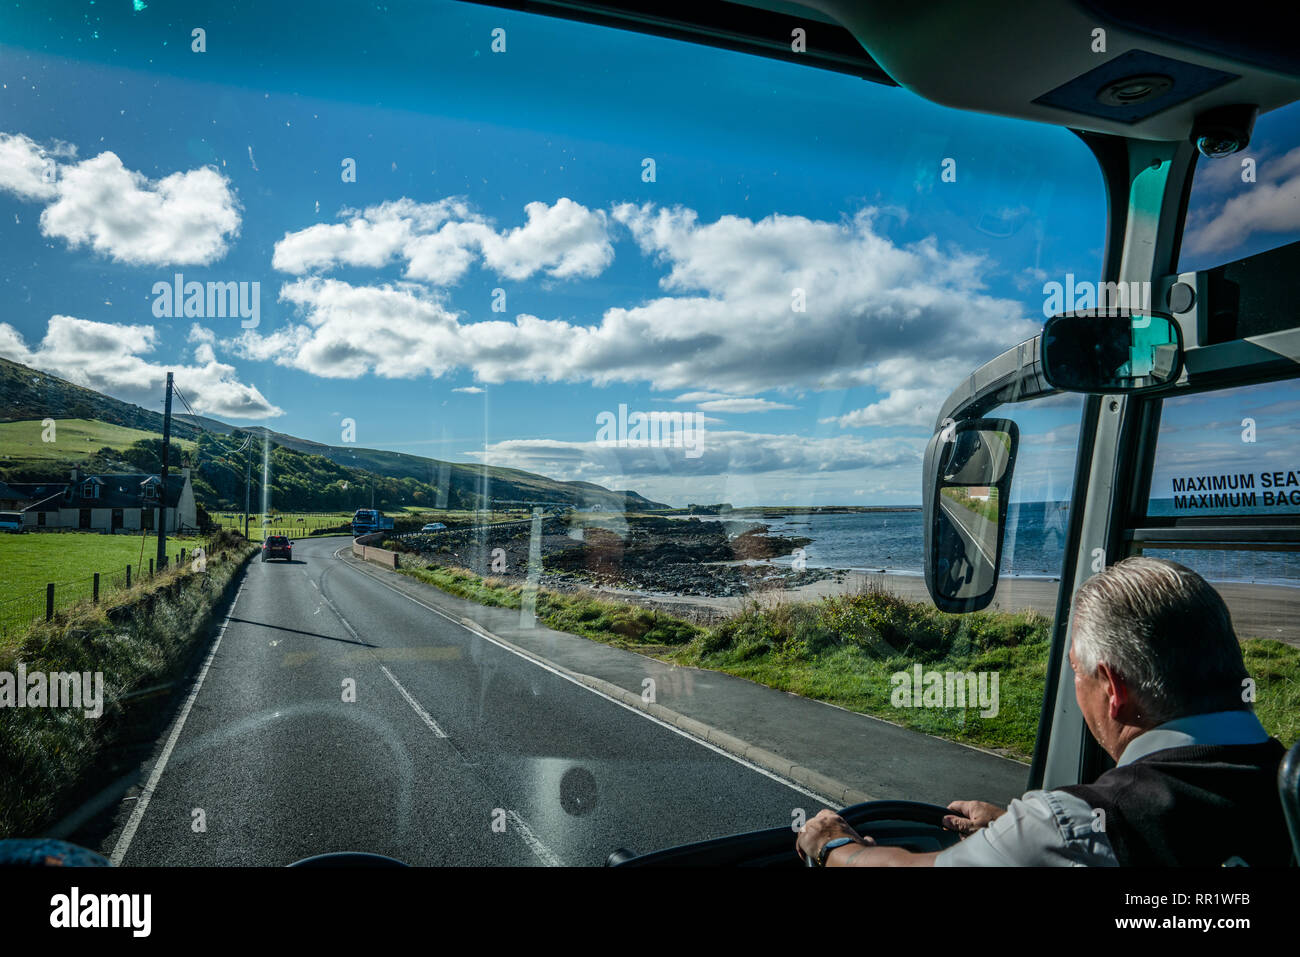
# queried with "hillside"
point(110, 434)
point(27, 394)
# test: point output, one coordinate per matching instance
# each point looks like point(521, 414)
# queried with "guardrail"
point(363, 548)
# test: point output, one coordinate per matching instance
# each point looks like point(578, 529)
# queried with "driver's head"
point(1152, 641)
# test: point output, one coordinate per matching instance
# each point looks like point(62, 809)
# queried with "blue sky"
point(126, 157)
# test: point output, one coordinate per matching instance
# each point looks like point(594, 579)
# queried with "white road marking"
point(544, 853)
point(424, 715)
point(415, 705)
point(339, 615)
point(476, 630)
point(137, 815)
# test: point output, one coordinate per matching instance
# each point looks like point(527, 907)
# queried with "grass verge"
point(845, 650)
point(137, 640)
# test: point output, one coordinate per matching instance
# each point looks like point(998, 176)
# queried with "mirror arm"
point(1014, 376)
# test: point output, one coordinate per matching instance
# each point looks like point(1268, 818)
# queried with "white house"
point(109, 502)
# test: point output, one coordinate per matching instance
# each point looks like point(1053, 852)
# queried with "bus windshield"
point(621, 353)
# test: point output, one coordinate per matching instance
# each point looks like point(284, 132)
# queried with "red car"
point(277, 546)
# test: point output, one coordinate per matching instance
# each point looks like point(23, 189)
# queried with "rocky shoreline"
point(642, 554)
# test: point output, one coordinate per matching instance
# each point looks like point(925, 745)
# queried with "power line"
point(184, 401)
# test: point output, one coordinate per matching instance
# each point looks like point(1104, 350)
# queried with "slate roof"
point(116, 490)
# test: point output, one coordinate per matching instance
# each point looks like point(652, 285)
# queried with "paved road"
point(454, 750)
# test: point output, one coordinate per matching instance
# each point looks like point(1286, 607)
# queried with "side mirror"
point(1092, 351)
point(968, 468)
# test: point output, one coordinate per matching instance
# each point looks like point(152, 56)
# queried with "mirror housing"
point(968, 470)
point(1102, 351)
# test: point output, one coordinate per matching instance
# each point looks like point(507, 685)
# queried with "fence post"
point(128, 576)
point(182, 556)
point(151, 568)
point(95, 597)
point(49, 601)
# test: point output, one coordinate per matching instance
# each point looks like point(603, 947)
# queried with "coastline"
point(1258, 610)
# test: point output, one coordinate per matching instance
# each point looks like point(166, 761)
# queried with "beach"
point(1258, 611)
point(707, 569)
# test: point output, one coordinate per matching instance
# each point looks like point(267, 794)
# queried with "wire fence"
point(289, 524)
point(20, 612)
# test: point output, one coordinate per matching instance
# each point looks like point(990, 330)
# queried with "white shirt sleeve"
point(1041, 829)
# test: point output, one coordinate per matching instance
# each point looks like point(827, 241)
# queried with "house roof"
point(46, 496)
point(8, 492)
point(116, 490)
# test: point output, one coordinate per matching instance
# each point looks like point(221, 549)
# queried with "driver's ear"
point(1119, 699)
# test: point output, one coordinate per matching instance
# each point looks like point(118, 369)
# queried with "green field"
point(30, 561)
point(74, 438)
point(141, 641)
point(291, 524)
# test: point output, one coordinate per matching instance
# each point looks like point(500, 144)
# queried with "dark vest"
point(1194, 807)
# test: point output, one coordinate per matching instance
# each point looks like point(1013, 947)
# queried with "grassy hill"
point(23, 442)
point(100, 433)
point(27, 394)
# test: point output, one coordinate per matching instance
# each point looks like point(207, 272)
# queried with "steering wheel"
point(775, 846)
point(348, 859)
point(871, 812)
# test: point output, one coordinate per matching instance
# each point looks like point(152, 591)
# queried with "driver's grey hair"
point(1166, 632)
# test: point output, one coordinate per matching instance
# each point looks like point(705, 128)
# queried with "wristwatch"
point(830, 846)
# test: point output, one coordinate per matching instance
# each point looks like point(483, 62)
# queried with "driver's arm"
point(827, 826)
point(853, 855)
point(1043, 828)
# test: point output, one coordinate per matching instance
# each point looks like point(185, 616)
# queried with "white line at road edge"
point(424, 715)
point(137, 815)
point(481, 633)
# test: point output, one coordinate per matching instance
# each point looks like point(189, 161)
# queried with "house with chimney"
point(107, 502)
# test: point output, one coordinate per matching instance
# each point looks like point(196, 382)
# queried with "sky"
point(480, 255)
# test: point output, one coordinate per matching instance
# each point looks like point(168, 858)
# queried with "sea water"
point(893, 541)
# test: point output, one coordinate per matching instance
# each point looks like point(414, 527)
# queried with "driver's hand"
point(826, 826)
point(971, 816)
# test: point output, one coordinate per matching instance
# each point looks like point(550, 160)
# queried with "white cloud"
point(566, 240)
point(1270, 204)
point(440, 241)
point(370, 238)
point(727, 323)
point(26, 169)
point(721, 453)
point(470, 389)
point(108, 358)
point(396, 331)
point(184, 218)
point(720, 402)
point(900, 407)
point(914, 392)
point(742, 405)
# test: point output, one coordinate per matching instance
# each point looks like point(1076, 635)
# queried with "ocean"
point(892, 542)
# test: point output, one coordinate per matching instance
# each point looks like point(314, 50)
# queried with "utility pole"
point(248, 482)
point(162, 492)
